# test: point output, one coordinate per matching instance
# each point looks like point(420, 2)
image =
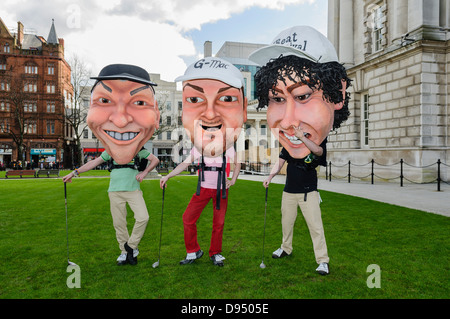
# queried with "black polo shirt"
point(301, 173)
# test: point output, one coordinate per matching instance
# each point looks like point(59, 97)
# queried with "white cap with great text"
point(302, 41)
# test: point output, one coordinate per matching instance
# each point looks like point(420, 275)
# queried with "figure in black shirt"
point(305, 90)
point(301, 190)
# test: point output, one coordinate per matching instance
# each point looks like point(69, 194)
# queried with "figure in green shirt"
point(123, 115)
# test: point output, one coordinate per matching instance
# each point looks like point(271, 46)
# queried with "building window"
point(30, 87)
point(6, 48)
point(4, 126)
point(169, 120)
point(365, 120)
point(4, 86)
point(30, 127)
point(180, 120)
point(2, 65)
point(4, 106)
point(263, 129)
point(30, 107)
point(51, 69)
point(51, 88)
point(31, 69)
point(180, 105)
point(50, 107)
point(85, 133)
point(377, 36)
point(50, 127)
point(169, 135)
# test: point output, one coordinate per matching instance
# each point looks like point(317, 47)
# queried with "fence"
point(372, 175)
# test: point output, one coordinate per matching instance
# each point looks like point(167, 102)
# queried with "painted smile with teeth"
point(211, 128)
point(127, 136)
point(294, 140)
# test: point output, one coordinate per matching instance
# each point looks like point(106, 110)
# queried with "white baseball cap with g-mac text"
point(215, 69)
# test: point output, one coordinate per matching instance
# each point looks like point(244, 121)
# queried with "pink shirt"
point(211, 176)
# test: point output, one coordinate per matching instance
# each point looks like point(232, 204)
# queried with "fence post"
point(372, 170)
point(330, 172)
point(349, 171)
point(439, 174)
point(401, 172)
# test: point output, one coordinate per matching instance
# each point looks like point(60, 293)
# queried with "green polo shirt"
point(124, 179)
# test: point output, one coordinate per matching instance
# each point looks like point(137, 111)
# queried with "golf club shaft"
point(160, 231)
point(67, 224)
point(265, 214)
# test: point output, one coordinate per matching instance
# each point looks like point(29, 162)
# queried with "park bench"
point(48, 172)
point(163, 170)
point(20, 173)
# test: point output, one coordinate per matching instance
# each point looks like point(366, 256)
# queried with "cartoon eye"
point(140, 103)
point(277, 99)
point(303, 97)
point(228, 98)
point(103, 100)
point(194, 100)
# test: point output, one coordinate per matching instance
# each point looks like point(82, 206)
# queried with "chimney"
point(19, 33)
point(207, 48)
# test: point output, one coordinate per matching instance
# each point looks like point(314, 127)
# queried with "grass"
point(411, 247)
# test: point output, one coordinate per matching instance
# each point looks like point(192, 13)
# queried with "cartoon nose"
point(210, 112)
point(291, 117)
point(120, 117)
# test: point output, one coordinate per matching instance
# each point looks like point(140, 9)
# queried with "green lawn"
point(410, 247)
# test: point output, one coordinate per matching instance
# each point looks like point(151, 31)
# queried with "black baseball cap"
point(124, 72)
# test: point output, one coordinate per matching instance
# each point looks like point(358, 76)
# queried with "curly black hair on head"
point(318, 76)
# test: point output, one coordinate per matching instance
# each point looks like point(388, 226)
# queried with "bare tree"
point(21, 120)
point(164, 123)
point(75, 112)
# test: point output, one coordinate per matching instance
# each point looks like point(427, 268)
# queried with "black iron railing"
point(329, 175)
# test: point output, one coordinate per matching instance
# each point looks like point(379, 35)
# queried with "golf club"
point(156, 264)
point(67, 227)
point(262, 265)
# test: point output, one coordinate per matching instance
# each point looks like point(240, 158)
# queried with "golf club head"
point(262, 266)
point(155, 264)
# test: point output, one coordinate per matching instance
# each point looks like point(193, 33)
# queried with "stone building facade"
point(397, 54)
point(35, 88)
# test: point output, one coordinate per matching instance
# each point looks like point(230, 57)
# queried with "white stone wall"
point(406, 82)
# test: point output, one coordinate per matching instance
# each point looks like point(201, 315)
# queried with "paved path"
point(423, 197)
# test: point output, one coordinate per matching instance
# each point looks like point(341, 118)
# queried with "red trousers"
point(192, 214)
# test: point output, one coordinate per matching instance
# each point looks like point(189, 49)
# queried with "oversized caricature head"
point(123, 114)
point(303, 85)
point(214, 105)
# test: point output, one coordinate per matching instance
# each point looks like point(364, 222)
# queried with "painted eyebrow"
point(107, 88)
point(225, 88)
point(139, 89)
point(290, 88)
point(294, 86)
point(195, 87)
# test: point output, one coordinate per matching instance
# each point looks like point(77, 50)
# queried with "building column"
point(400, 25)
point(422, 12)
point(333, 23)
point(346, 32)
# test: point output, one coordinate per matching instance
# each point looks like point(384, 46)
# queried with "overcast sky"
point(163, 36)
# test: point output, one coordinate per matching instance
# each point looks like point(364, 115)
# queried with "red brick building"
point(35, 87)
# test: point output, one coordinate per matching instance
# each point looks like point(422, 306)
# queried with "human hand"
point(68, 178)
point(140, 177)
point(230, 183)
point(298, 132)
point(163, 181)
point(266, 182)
